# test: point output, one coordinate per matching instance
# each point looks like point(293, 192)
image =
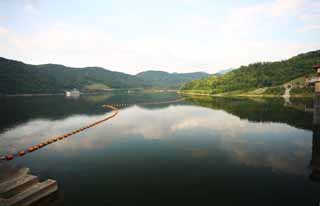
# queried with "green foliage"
point(17, 77)
point(260, 109)
point(258, 75)
point(303, 91)
point(274, 91)
point(160, 79)
point(96, 87)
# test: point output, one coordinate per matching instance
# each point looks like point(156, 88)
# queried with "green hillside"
point(17, 77)
point(160, 79)
point(258, 75)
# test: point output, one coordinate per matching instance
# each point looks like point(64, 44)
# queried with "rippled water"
point(223, 151)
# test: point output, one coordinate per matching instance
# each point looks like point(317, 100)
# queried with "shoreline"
point(32, 95)
point(243, 95)
point(82, 93)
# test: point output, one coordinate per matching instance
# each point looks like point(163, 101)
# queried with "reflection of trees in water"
point(272, 110)
point(17, 110)
point(261, 109)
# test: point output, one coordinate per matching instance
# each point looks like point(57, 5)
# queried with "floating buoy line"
point(58, 138)
point(148, 103)
point(52, 140)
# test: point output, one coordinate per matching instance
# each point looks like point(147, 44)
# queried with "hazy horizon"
point(173, 36)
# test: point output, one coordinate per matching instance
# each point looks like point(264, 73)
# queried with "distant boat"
point(72, 93)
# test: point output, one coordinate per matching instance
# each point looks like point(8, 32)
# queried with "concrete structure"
point(316, 109)
point(316, 102)
point(18, 187)
point(315, 160)
point(315, 80)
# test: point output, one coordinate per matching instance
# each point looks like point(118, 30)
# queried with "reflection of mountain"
point(17, 110)
point(21, 109)
point(259, 110)
point(199, 132)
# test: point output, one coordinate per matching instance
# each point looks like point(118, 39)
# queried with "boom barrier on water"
point(113, 107)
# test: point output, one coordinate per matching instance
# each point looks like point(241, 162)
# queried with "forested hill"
point(258, 75)
point(160, 79)
point(17, 77)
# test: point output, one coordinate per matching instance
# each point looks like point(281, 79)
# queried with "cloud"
point(250, 18)
point(310, 27)
point(252, 144)
point(310, 17)
point(3, 31)
point(285, 7)
point(31, 6)
point(188, 42)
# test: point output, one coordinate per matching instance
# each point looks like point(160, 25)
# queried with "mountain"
point(160, 79)
point(257, 75)
point(17, 77)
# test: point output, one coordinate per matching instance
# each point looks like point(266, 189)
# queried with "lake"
point(199, 151)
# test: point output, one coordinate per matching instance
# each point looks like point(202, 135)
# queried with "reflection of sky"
point(277, 146)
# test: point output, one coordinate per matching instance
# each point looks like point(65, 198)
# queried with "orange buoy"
point(22, 152)
point(54, 139)
point(30, 149)
point(9, 157)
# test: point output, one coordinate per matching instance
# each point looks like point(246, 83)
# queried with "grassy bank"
point(260, 92)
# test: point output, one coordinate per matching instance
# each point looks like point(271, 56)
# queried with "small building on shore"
point(72, 93)
point(316, 79)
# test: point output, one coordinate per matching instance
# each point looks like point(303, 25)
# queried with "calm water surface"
point(217, 151)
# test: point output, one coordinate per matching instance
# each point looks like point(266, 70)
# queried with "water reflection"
point(208, 142)
point(19, 110)
point(280, 147)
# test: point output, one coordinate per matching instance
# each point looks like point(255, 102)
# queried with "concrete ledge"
point(14, 186)
point(18, 188)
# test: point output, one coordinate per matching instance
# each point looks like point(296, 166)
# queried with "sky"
point(170, 35)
